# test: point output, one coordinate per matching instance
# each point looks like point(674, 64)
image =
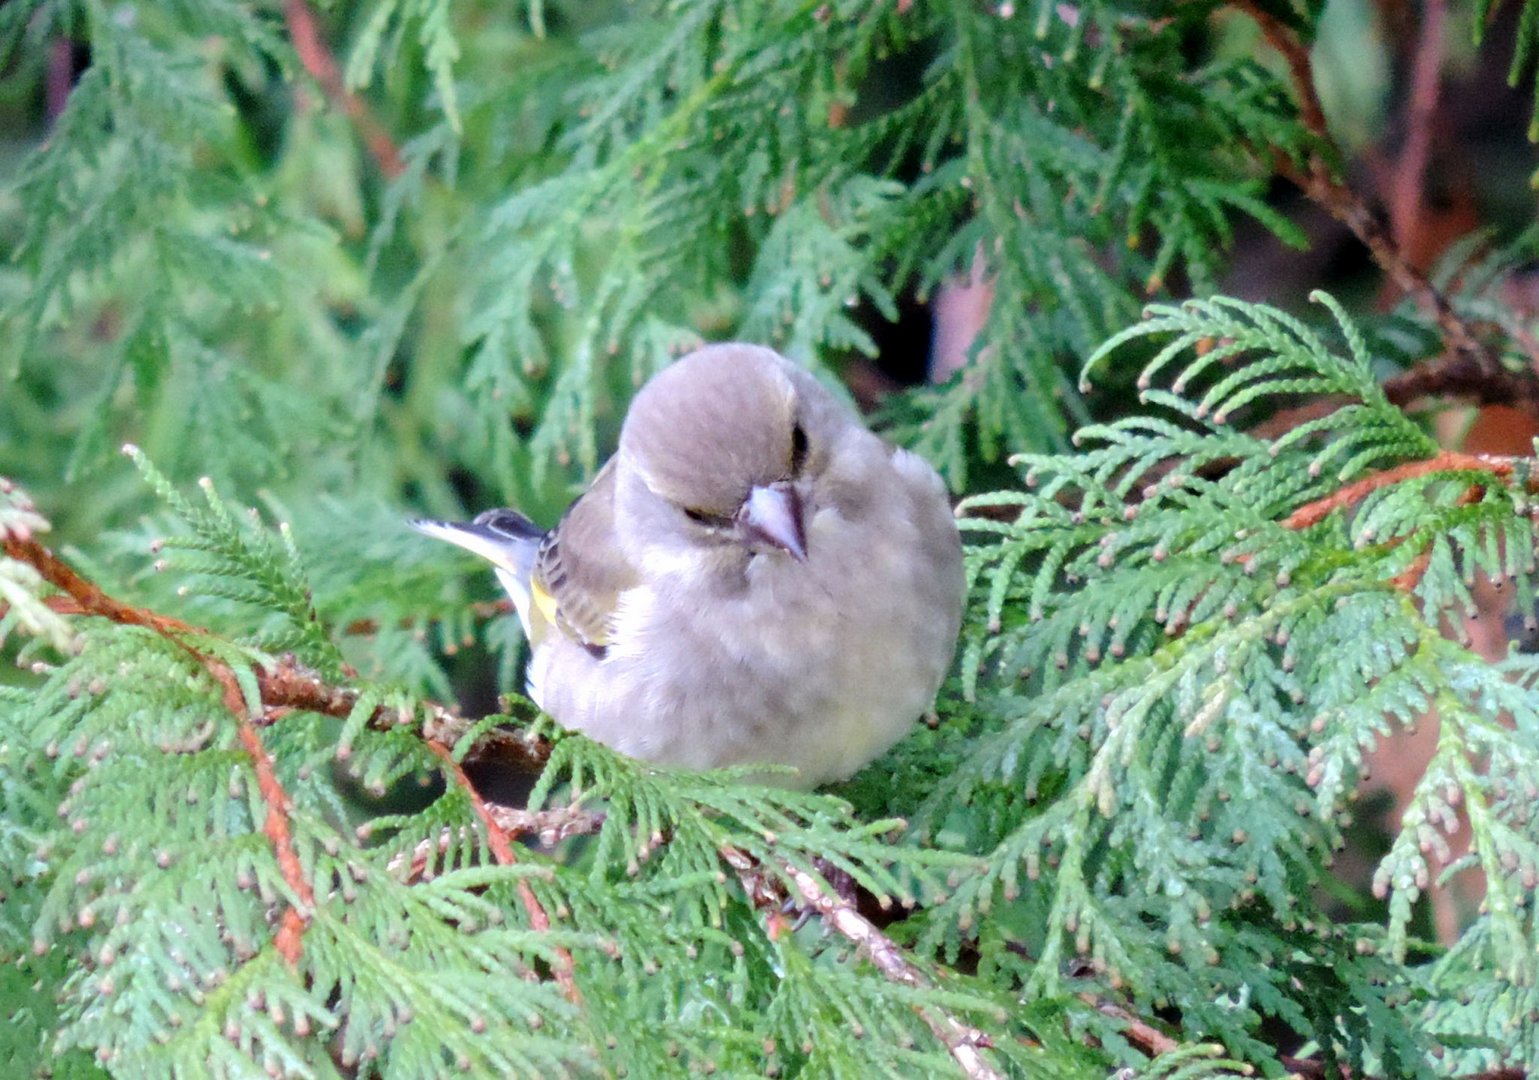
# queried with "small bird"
point(752, 578)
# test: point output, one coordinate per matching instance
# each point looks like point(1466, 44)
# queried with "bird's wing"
point(580, 571)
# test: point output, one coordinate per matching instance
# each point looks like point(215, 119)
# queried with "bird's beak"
point(773, 515)
point(473, 536)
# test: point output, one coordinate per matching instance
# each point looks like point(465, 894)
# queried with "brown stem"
point(966, 1044)
point(502, 851)
point(88, 598)
point(287, 685)
point(550, 827)
point(1146, 1037)
point(291, 927)
point(1405, 203)
point(1318, 181)
point(283, 688)
point(87, 595)
point(1444, 461)
point(323, 68)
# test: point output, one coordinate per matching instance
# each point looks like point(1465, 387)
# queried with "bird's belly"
point(777, 674)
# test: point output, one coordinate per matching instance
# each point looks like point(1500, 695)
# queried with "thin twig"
point(502, 851)
point(1406, 184)
point(90, 599)
point(323, 68)
point(285, 687)
point(291, 926)
point(966, 1044)
point(1444, 461)
point(1451, 375)
point(1146, 1037)
point(1318, 181)
point(287, 684)
point(89, 596)
point(549, 827)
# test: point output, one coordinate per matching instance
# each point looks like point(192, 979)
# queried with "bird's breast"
point(821, 664)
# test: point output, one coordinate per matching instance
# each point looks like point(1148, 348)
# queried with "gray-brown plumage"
point(752, 578)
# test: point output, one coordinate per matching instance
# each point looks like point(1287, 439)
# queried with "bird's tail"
point(508, 540)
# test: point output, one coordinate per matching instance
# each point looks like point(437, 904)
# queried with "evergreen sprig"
point(350, 259)
point(205, 853)
point(1187, 637)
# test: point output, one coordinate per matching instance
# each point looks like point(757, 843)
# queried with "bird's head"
point(727, 443)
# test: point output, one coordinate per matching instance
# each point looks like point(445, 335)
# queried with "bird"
point(753, 578)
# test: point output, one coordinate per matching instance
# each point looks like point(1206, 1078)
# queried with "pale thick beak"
point(773, 515)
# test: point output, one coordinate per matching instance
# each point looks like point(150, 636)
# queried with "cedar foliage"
point(323, 292)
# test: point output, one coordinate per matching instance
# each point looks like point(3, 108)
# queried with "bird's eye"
point(798, 448)
point(702, 517)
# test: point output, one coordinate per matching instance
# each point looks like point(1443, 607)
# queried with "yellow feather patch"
point(545, 606)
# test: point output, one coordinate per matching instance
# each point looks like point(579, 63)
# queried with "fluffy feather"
point(694, 633)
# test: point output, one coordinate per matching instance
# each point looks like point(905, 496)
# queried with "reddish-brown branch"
point(289, 686)
point(502, 851)
point(496, 838)
point(1151, 1040)
point(88, 598)
point(275, 826)
point(323, 68)
point(1407, 580)
point(1405, 197)
point(87, 595)
point(1447, 460)
point(1472, 358)
point(1300, 69)
point(966, 1044)
point(286, 685)
point(282, 688)
point(1318, 181)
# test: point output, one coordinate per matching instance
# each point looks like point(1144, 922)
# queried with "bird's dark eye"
point(702, 517)
point(798, 448)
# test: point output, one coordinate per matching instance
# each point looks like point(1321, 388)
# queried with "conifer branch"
point(1468, 363)
point(1145, 1036)
point(291, 927)
point(502, 850)
point(88, 598)
point(283, 688)
point(1448, 460)
point(964, 1043)
point(322, 67)
point(286, 685)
